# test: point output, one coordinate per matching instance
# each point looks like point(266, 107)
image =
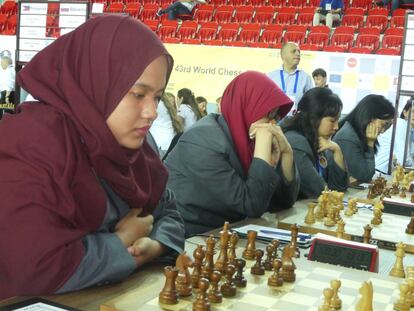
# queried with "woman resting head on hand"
point(84, 193)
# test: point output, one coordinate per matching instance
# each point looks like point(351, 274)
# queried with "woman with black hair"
point(319, 160)
point(188, 108)
point(359, 132)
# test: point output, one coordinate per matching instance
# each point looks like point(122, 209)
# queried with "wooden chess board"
point(304, 294)
point(386, 235)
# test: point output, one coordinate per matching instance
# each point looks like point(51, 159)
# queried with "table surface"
point(150, 279)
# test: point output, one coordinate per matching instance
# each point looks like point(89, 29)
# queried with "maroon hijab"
point(49, 169)
point(248, 98)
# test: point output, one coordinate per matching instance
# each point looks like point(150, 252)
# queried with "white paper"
point(408, 52)
point(73, 9)
point(71, 21)
point(26, 56)
point(33, 32)
point(33, 20)
point(34, 44)
point(33, 8)
point(409, 36)
point(40, 307)
point(408, 68)
point(407, 84)
point(97, 8)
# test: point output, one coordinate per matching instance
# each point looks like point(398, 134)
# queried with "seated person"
point(329, 11)
point(319, 77)
point(319, 160)
point(179, 7)
point(188, 109)
point(358, 135)
point(202, 105)
point(83, 194)
point(238, 164)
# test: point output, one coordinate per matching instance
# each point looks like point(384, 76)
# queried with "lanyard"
point(282, 79)
point(321, 164)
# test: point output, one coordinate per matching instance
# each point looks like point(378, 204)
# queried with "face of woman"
point(132, 118)
point(328, 127)
point(382, 125)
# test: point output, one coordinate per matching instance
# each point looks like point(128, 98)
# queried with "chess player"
point(319, 160)
point(293, 81)
point(237, 164)
point(83, 194)
point(358, 135)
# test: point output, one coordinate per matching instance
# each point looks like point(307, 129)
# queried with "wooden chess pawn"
point(168, 294)
point(208, 266)
point(336, 302)
point(310, 216)
point(340, 229)
point(402, 193)
point(198, 255)
point(327, 294)
point(201, 303)
point(410, 226)
point(275, 279)
point(249, 251)
point(367, 234)
point(228, 289)
point(214, 294)
point(398, 268)
point(275, 243)
point(288, 266)
point(402, 304)
point(239, 278)
point(376, 220)
point(330, 219)
point(234, 239)
point(268, 263)
point(258, 268)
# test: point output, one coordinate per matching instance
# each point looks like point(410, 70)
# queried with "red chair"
point(359, 50)
point(377, 21)
point(234, 43)
point(9, 8)
point(115, 7)
point(320, 29)
point(354, 21)
point(314, 3)
point(334, 48)
point(191, 41)
point(355, 11)
point(363, 4)
point(309, 47)
point(149, 11)
point(152, 24)
point(207, 31)
point(367, 41)
point(217, 3)
point(305, 16)
point(387, 51)
point(52, 8)
point(250, 33)
point(228, 32)
point(224, 14)
point(133, 8)
point(258, 3)
point(285, 16)
point(276, 3)
point(394, 32)
point(397, 21)
point(294, 36)
point(264, 15)
point(297, 4)
point(187, 30)
point(3, 20)
point(216, 42)
point(378, 11)
point(369, 31)
point(394, 42)
point(236, 2)
point(342, 40)
point(204, 13)
point(167, 29)
point(344, 30)
point(244, 14)
point(320, 40)
point(262, 45)
point(398, 12)
point(272, 35)
point(171, 40)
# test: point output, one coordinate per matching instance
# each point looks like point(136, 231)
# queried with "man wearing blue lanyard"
point(329, 11)
point(293, 81)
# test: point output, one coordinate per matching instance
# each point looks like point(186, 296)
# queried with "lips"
point(143, 130)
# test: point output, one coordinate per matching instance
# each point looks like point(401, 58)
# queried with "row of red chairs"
point(8, 8)
point(8, 24)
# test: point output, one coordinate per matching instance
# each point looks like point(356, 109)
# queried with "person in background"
point(188, 108)
point(320, 161)
point(7, 82)
point(319, 77)
point(166, 125)
point(218, 101)
point(293, 81)
point(239, 159)
point(86, 203)
point(171, 99)
point(382, 156)
point(202, 105)
point(179, 7)
point(329, 11)
point(358, 135)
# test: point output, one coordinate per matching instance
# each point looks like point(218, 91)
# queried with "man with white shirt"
point(7, 82)
point(292, 81)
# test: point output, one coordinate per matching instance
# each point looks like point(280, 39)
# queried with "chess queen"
point(238, 164)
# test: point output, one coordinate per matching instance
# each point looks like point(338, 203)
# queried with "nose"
point(149, 110)
point(336, 125)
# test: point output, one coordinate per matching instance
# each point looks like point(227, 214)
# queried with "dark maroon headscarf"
point(248, 98)
point(58, 148)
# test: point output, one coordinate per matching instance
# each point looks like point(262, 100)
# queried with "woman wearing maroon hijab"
point(236, 165)
point(83, 194)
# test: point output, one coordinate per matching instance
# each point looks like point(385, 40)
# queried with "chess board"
point(399, 206)
point(385, 235)
point(304, 294)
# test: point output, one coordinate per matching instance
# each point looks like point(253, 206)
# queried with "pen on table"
point(301, 236)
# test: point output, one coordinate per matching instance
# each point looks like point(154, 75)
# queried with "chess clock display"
point(348, 254)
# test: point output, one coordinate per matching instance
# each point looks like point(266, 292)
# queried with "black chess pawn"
point(275, 279)
point(269, 257)
point(239, 278)
point(214, 294)
point(258, 268)
point(228, 289)
point(202, 303)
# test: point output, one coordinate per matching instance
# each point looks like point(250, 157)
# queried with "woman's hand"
point(327, 144)
point(277, 133)
point(133, 227)
point(372, 133)
point(145, 249)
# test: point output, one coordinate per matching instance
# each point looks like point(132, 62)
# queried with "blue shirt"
point(335, 4)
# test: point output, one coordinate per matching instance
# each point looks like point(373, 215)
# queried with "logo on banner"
point(352, 62)
point(26, 8)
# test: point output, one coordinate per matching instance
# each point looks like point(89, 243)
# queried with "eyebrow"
point(146, 86)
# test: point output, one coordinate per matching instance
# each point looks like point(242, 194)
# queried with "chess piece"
point(412, 196)
point(275, 243)
point(222, 259)
point(330, 218)
point(370, 194)
point(268, 263)
point(249, 251)
point(198, 255)
point(410, 226)
point(410, 272)
point(340, 229)
point(201, 303)
point(214, 294)
point(275, 279)
point(209, 258)
point(239, 279)
point(336, 302)
point(398, 269)
point(403, 303)
point(293, 245)
point(410, 296)
point(310, 216)
point(402, 193)
point(327, 294)
point(288, 266)
point(367, 234)
point(258, 268)
point(234, 239)
point(376, 220)
point(394, 188)
point(183, 281)
point(168, 294)
point(228, 289)
point(365, 302)
point(353, 205)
